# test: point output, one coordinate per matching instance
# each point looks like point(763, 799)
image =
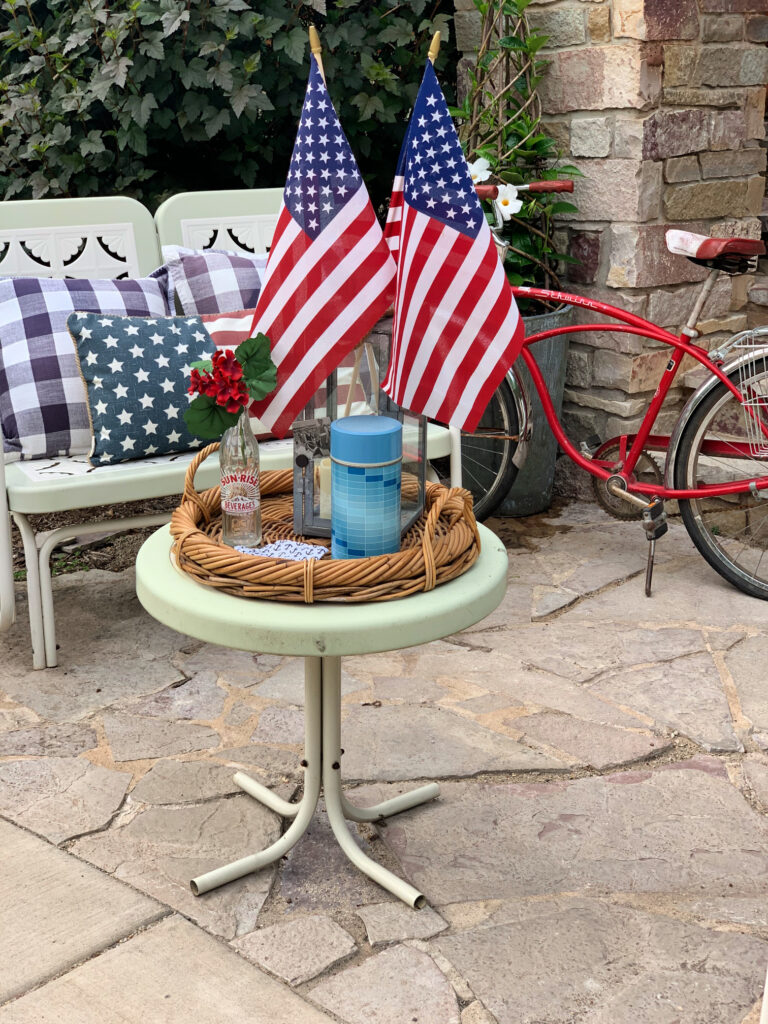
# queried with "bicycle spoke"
point(486, 454)
point(730, 530)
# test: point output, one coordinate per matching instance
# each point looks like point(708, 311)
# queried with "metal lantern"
point(353, 389)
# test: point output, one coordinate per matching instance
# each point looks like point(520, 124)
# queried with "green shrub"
point(151, 97)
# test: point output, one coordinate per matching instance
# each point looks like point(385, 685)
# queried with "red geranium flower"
point(226, 364)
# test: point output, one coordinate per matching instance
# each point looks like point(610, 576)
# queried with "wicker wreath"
point(441, 545)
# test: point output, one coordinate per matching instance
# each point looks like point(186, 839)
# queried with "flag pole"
point(316, 48)
point(434, 47)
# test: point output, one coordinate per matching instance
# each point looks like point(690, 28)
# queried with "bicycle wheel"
point(731, 532)
point(487, 469)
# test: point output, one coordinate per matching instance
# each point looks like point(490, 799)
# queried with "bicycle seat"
point(705, 249)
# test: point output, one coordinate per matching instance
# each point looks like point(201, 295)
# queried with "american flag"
point(456, 330)
point(330, 276)
point(395, 214)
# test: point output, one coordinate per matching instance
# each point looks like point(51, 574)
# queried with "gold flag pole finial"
point(316, 48)
point(434, 47)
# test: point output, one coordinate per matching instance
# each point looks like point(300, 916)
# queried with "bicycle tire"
point(730, 532)
point(487, 469)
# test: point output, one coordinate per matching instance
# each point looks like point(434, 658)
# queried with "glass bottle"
point(240, 495)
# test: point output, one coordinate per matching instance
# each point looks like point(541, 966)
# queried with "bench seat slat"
point(59, 485)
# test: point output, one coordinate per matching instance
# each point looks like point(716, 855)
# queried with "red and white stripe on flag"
point(228, 330)
point(330, 275)
point(395, 213)
point(394, 216)
point(456, 328)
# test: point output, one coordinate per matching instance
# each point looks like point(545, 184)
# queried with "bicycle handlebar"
point(547, 186)
point(492, 191)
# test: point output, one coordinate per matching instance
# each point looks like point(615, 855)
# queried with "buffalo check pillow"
point(137, 370)
point(213, 280)
point(43, 407)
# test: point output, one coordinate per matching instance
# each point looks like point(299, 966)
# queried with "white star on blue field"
point(437, 179)
point(323, 175)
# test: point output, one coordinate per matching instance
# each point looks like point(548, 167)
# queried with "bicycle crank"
point(646, 472)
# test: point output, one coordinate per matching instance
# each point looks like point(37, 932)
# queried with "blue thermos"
point(366, 460)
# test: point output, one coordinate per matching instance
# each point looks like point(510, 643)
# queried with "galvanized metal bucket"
point(532, 490)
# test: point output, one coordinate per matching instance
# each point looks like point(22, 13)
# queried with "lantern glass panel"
point(353, 389)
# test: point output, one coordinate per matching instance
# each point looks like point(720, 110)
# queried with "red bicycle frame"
point(629, 323)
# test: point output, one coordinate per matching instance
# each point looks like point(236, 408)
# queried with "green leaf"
point(259, 372)
point(249, 95)
point(152, 46)
point(367, 105)
point(260, 387)
point(221, 74)
point(399, 31)
point(60, 134)
point(202, 365)
point(563, 207)
point(173, 20)
point(294, 45)
point(214, 124)
point(92, 144)
point(204, 417)
point(141, 107)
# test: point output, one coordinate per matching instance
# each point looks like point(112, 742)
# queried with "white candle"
point(323, 487)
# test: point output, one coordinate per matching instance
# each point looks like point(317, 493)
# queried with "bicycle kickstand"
point(655, 526)
point(654, 522)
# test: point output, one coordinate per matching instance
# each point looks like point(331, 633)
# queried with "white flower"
point(480, 170)
point(507, 202)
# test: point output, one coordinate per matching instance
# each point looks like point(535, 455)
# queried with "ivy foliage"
point(151, 97)
point(501, 122)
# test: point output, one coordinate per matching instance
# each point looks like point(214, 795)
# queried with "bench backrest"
point(97, 237)
point(241, 220)
point(114, 236)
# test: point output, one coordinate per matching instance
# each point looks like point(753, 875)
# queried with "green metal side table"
point(322, 634)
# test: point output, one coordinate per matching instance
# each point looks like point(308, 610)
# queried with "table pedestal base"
point(322, 767)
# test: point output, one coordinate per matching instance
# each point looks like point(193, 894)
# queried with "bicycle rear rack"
point(754, 389)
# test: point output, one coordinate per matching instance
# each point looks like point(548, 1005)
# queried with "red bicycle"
point(715, 461)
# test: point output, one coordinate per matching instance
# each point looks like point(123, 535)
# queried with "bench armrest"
point(7, 593)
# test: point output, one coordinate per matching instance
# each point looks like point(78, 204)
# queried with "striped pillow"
point(228, 330)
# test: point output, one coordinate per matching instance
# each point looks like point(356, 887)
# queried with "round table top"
point(323, 629)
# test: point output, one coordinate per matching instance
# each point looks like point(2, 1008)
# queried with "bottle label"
point(239, 493)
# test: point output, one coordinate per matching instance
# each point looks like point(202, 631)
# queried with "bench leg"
point(36, 627)
point(47, 542)
point(7, 589)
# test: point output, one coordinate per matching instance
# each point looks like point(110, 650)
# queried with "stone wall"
point(661, 105)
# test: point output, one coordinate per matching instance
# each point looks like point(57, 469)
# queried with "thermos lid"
point(366, 439)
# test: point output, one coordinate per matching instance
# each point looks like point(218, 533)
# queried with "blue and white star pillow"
point(136, 372)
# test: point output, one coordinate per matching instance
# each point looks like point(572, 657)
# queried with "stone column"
point(660, 104)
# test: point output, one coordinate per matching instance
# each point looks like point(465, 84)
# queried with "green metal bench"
point(113, 237)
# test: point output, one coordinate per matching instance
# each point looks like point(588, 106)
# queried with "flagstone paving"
point(598, 853)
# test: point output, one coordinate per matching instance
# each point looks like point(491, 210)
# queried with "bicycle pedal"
point(590, 445)
point(655, 520)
